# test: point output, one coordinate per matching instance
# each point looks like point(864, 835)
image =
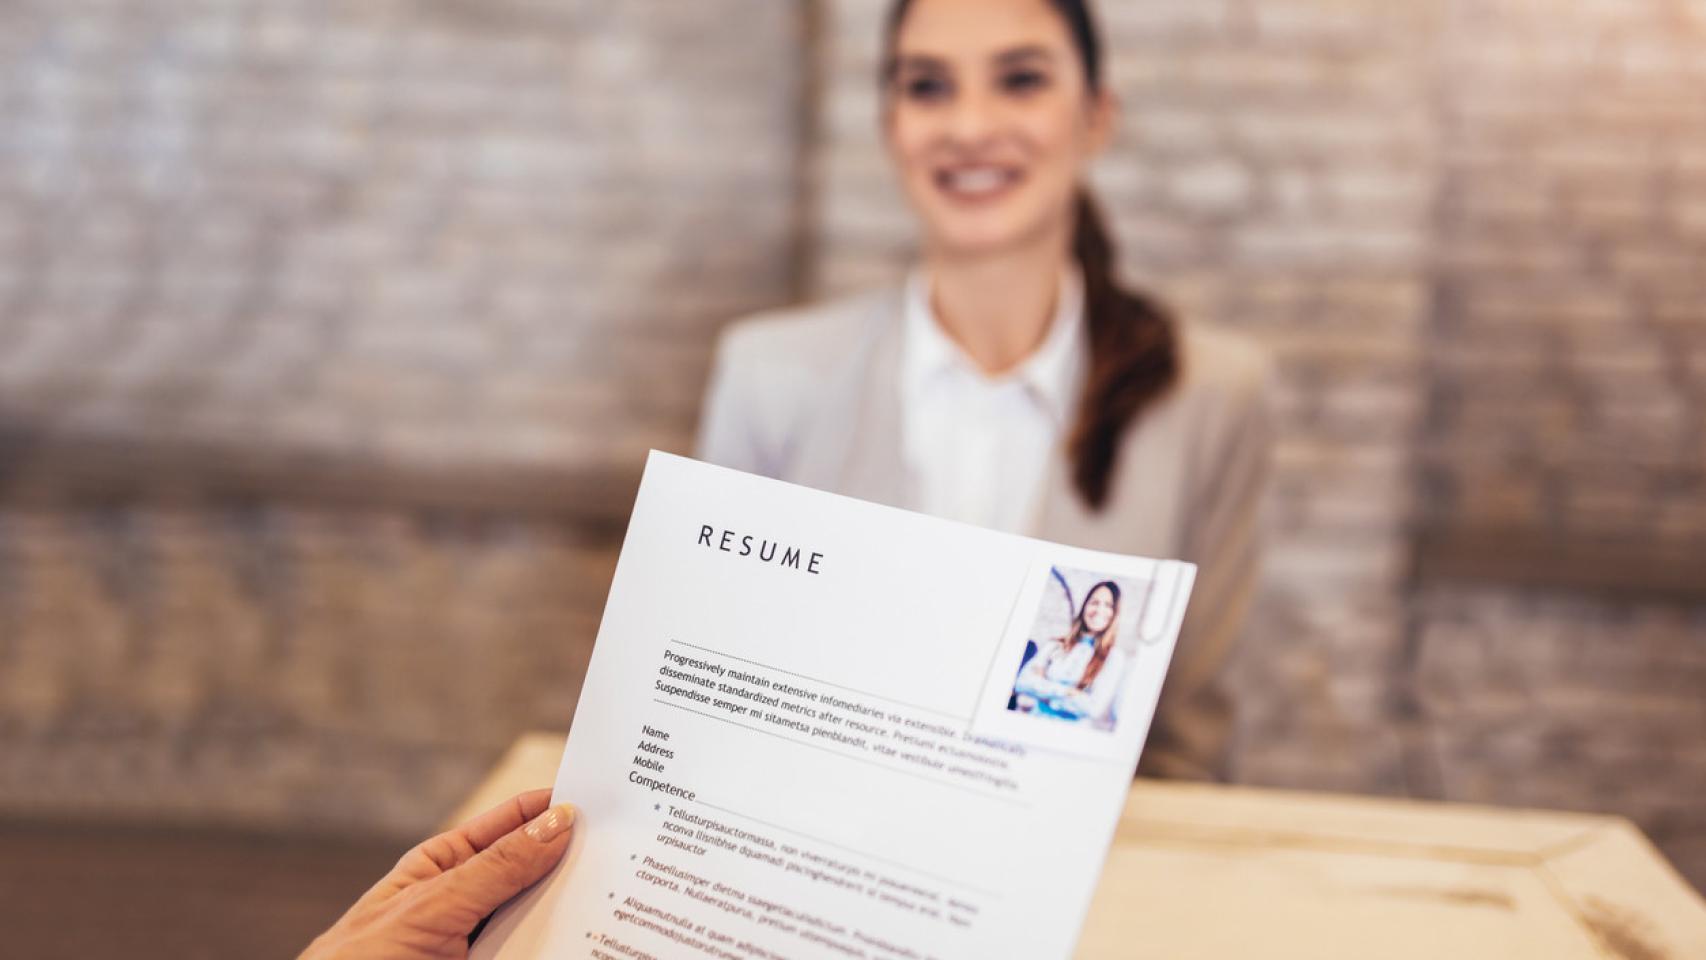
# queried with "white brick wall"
point(430, 235)
point(501, 236)
point(410, 229)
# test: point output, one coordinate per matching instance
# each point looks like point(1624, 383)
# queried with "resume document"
point(818, 727)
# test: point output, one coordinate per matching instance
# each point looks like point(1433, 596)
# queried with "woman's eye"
point(1024, 81)
point(925, 88)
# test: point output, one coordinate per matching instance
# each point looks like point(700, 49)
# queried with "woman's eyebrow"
point(920, 63)
point(1023, 54)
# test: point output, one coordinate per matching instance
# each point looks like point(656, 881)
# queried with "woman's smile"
point(978, 183)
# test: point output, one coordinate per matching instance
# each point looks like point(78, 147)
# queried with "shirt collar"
point(1050, 373)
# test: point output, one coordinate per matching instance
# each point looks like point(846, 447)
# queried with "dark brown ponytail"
point(1134, 357)
point(1133, 341)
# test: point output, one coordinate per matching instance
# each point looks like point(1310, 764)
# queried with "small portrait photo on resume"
point(1079, 665)
point(1080, 648)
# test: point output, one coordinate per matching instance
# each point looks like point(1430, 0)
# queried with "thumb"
point(511, 864)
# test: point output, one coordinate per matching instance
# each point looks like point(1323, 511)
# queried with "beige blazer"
point(812, 396)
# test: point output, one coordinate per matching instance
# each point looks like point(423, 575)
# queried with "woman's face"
point(1099, 610)
point(990, 122)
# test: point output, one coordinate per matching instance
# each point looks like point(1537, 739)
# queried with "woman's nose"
point(973, 119)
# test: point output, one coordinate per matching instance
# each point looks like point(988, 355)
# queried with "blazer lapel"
point(859, 451)
point(1124, 525)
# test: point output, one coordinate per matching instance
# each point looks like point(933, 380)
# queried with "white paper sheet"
point(799, 734)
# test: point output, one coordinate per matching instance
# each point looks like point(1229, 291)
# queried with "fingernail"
point(551, 824)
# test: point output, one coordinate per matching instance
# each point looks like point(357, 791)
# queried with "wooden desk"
point(1209, 871)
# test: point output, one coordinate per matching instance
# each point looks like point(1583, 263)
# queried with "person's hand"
point(430, 903)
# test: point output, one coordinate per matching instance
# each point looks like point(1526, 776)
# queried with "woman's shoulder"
point(814, 337)
point(777, 373)
point(1221, 408)
point(1222, 366)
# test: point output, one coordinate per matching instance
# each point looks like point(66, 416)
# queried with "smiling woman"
point(1012, 381)
point(991, 120)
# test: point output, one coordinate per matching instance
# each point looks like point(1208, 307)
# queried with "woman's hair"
point(1133, 343)
point(1104, 638)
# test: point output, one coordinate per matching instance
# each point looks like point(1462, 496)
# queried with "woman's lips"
point(977, 184)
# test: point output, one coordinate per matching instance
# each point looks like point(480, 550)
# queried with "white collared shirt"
point(978, 447)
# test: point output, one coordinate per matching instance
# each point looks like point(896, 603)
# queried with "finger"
point(507, 866)
point(458, 845)
point(485, 829)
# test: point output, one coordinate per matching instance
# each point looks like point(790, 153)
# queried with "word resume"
point(818, 727)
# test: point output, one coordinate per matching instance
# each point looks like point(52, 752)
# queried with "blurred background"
point(332, 336)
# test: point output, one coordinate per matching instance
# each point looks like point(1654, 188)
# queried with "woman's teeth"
point(974, 181)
